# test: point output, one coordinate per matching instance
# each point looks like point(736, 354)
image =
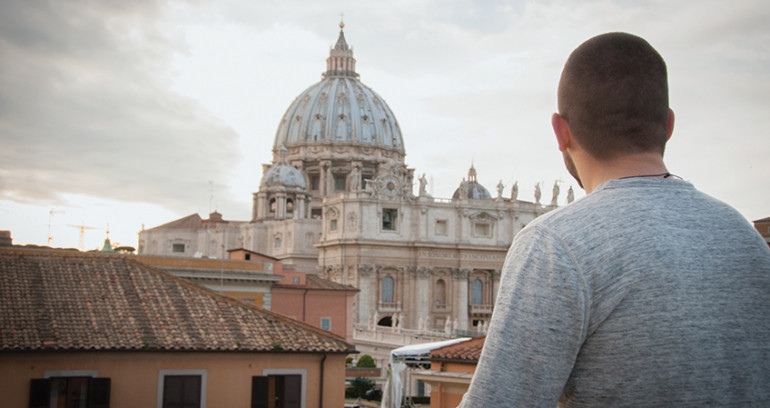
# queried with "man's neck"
point(594, 172)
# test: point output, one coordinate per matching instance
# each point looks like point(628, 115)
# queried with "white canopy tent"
point(403, 358)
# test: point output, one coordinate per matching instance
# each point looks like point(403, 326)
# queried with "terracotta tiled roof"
point(57, 300)
point(314, 282)
point(468, 350)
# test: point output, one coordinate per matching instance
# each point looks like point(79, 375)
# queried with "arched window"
point(387, 290)
point(477, 292)
point(273, 205)
point(440, 292)
point(289, 207)
point(386, 321)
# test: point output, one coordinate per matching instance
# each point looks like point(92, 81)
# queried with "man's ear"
point(562, 131)
point(670, 124)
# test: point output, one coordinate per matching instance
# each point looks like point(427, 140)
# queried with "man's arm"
point(537, 328)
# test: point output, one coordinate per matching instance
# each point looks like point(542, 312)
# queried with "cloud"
point(85, 108)
point(149, 100)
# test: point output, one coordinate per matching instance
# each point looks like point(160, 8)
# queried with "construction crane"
point(83, 229)
point(50, 215)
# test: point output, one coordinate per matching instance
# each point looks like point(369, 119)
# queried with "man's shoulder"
point(614, 200)
point(635, 206)
point(575, 212)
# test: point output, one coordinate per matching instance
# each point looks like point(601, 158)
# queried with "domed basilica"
point(339, 201)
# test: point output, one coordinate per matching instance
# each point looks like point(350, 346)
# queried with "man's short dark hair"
point(614, 94)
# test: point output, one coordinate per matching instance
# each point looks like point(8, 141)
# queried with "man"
point(645, 293)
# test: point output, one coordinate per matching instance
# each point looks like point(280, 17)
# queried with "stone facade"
point(338, 200)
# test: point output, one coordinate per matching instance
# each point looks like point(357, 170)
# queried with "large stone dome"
point(339, 110)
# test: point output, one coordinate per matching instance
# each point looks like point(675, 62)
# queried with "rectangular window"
point(481, 229)
point(69, 392)
point(315, 182)
point(389, 217)
point(279, 391)
point(181, 389)
point(177, 248)
point(326, 323)
point(440, 227)
point(333, 225)
point(315, 213)
point(295, 280)
point(339, 183)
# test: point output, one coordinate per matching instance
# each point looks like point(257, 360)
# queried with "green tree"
point(358, 387)
point(366, 361)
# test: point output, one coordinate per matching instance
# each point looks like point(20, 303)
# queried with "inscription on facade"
point(470, 256)
point(483, 257)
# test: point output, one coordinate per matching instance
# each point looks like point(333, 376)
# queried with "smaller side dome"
point(471, 189)
point(282, 174)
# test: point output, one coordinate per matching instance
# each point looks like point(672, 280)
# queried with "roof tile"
point(468, 350)
point(75, 301)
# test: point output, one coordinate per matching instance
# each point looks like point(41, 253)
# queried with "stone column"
point(254, 206)
point(421, 275)
point(262, 205)
point(460, 277)
point(329, 181)
point(367, 297)
point(322, 175)
point(280, 203)
point(299, 208)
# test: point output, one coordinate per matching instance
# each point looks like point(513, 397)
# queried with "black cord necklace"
point(661, 175)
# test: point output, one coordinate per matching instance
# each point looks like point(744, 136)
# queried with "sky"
point(122, 115)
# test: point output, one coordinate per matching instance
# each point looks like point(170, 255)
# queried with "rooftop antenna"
point(211, 195)
point(50, 216)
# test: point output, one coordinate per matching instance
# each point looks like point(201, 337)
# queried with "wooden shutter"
point(39, 393)
point(99, 393)
point(292, 391)
point(260, 392)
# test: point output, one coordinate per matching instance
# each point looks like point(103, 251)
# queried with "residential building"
point(451, 370)
point(250, 281)
point(315, 301)
point(104, 330)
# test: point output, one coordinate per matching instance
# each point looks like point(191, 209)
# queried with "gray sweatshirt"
point(645, 293)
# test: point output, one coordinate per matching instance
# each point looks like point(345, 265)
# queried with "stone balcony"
point(440, 307)
point(389, 307)
point(480, 310)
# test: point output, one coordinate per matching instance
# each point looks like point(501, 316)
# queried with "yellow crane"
point(83, 229)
